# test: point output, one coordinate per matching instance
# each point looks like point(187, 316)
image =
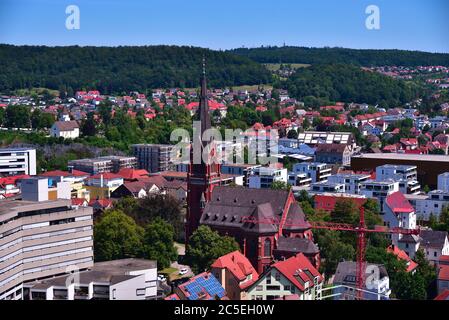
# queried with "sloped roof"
point(398, 203)
point(297, 245)
point(132, 174)
point(66, 125)
point(433, 239)
point(331, 147)
point(411, 265)
point(238, 265)
point(230, 205)
point(298, 270)
point(443, 273)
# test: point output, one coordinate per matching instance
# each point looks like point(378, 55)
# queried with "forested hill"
point(342, 55)
point(118, 69)
point(322, 84)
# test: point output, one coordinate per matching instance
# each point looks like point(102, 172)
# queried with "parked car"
point(161, 278)
point(183, 271)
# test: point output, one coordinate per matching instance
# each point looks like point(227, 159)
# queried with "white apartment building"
point(326, 187)
point(16, 161)
point(406, 175)
point(263, 177)
point(379, 190)
point(429, 204)
point(351, 181)
point(41, 237)
point(125, 279)
point(443, 182)
point(315, 170)
point(299, 179)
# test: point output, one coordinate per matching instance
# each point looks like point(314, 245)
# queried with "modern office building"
point(263, 177)
point(431, 204)
point(153, 157)
point(428, 166)
point(406, 175)
point(315, 170)
point(103, 164)
point(379, 190)
point(326, 187)
point(125, 279)
point(351, 181)
point(42, 236)
point(17, 161)
point(443, 182)
point(244, 170)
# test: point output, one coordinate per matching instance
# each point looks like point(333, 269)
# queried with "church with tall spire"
point(226, 209)
point(204, 174)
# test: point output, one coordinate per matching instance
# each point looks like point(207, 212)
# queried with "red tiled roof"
point(295, 267)
point(398, 203)
point(12, 179)
point(238, 265)
point(443, 295)
point(411, 265)
point(132, 174)
point(443, 273)
point(106, 175)
point(55, 173)
point(78, 201)
point(104, 203)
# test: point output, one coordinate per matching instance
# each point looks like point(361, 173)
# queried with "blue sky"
point(412, 24)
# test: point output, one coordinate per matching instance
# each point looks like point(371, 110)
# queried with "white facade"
point(407, 177)
point(351, 181)
point(57, 130)
point(327, 187)
point(443, 182)
point(16, 161)
point(315, 170)
point(379, 190)
point(263, 178)
point(430, 204)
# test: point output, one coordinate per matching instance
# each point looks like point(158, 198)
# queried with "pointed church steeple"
point(203, 108)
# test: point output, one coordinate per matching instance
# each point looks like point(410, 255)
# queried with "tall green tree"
point(205, 246)
point(159, 244)
point(117, 236)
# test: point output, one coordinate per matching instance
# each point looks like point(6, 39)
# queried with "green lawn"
point(276, 66)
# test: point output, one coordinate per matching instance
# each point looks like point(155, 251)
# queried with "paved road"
point(178, 266)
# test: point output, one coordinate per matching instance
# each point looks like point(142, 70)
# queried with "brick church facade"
point(229, 210)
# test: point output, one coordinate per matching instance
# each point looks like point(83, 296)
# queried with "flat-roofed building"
point(379, 190)
point(17, 161)
point(315, 170)
point(428, 166)
point(406, 175)
point(263, 177)
point(153, 157)
point(103, 164)
point(430, 204)
point(125, 279)
point(326, 186)
point(41, 238)
point(313, 138)
point(351, 181)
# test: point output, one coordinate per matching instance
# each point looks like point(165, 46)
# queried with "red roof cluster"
point(398, 203)
point(411, 265)
point(239, 266)
point(298, 267)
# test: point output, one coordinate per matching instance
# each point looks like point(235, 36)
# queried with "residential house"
point(65, 129)
point(333, 153)
point(235, 273)
point(377, 287)
point(203, 286)
point(296, 275)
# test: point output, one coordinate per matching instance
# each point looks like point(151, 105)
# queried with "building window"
point(140, 292)
point(277, 276)
point(259, 288)
point(267, 248)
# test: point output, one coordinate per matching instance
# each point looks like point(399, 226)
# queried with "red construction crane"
point(361, 231)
